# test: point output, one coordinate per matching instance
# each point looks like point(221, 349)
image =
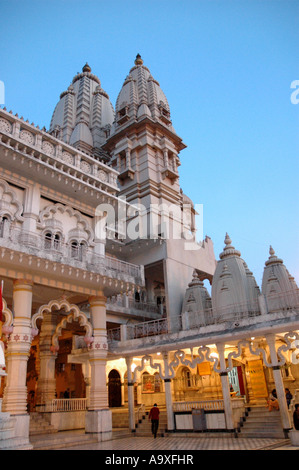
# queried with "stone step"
point(266, 426)
point(262, 434)
point(15, 443)
point(39, 425)
point(61, 440)
point(261, 423)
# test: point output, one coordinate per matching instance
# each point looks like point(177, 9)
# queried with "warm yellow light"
point(213, 354)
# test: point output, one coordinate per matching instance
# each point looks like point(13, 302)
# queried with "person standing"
point(273, 402)
point(154, 416)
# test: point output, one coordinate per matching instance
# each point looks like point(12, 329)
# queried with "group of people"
point(273, 401)
point(273, 404)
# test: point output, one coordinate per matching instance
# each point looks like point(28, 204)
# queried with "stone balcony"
point(28, 149)
point(196, 328)
point(34, 253)
point(123, 304)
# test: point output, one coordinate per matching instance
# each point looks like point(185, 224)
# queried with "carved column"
point(98, 416)
point(225, 388)
point(31, 208)
point(130, 394)
point(18, 351)
point(279, 384)
point(168, 393)
point(46, 385)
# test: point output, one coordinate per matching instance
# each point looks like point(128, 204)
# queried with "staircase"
point(260, 422)
point(144, 426)
point(39, 425)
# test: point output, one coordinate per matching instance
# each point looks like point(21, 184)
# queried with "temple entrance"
point(114, 389)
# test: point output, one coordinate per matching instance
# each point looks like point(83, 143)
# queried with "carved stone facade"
point(105, 305)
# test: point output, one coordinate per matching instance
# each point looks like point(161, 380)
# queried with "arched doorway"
point(114, 389)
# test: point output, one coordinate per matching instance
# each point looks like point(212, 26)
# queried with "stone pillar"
point(285, 419)
point(128, 158)
point(46, 385)
point(86, 374)
point(225, 389)
point(98, 417)
point(31, 208)
point(18, 351)
point(15, 394)
point(130, 395)
point(168, 393)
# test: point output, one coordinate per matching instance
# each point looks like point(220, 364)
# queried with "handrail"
point(67, 404)
point(140, 411)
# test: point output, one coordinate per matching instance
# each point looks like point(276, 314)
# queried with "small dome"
point(234, 290)
point(186, 199)
point(197, 302)
point(278, 285)
point(83, 104)
point(141, 96)
point(81, 133)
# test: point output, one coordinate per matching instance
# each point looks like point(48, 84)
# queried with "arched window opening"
point(78, 250)
point(52, 241)
point(56, 241)
point(48, 241)
point(4, 223)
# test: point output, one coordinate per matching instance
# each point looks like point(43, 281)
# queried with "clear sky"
point(226, 67)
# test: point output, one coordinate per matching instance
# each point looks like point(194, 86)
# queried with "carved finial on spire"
point(271, 251)
point(229, 249)
point(196, 281)
point(227, 239)
point(138, 60)
point(273, 259)
point(195, 274)
point(86, 68)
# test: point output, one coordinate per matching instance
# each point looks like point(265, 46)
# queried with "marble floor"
point(176, 443)
point(184, 444)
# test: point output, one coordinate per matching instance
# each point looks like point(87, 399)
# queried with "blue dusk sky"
point(226, 68)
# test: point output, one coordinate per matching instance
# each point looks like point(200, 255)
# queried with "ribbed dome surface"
point(141, 96)
point(197, 302)
point(234, 289)
point(278, 285)
point(84, 112)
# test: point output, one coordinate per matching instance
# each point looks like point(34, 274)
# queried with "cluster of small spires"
point(85, 68)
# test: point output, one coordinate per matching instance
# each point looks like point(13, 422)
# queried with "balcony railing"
point(79, 256)
point(280, 302)
point(139, 330)
point(214, 405)
point(64, 405)
point(39, 147)
point(123, 302)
